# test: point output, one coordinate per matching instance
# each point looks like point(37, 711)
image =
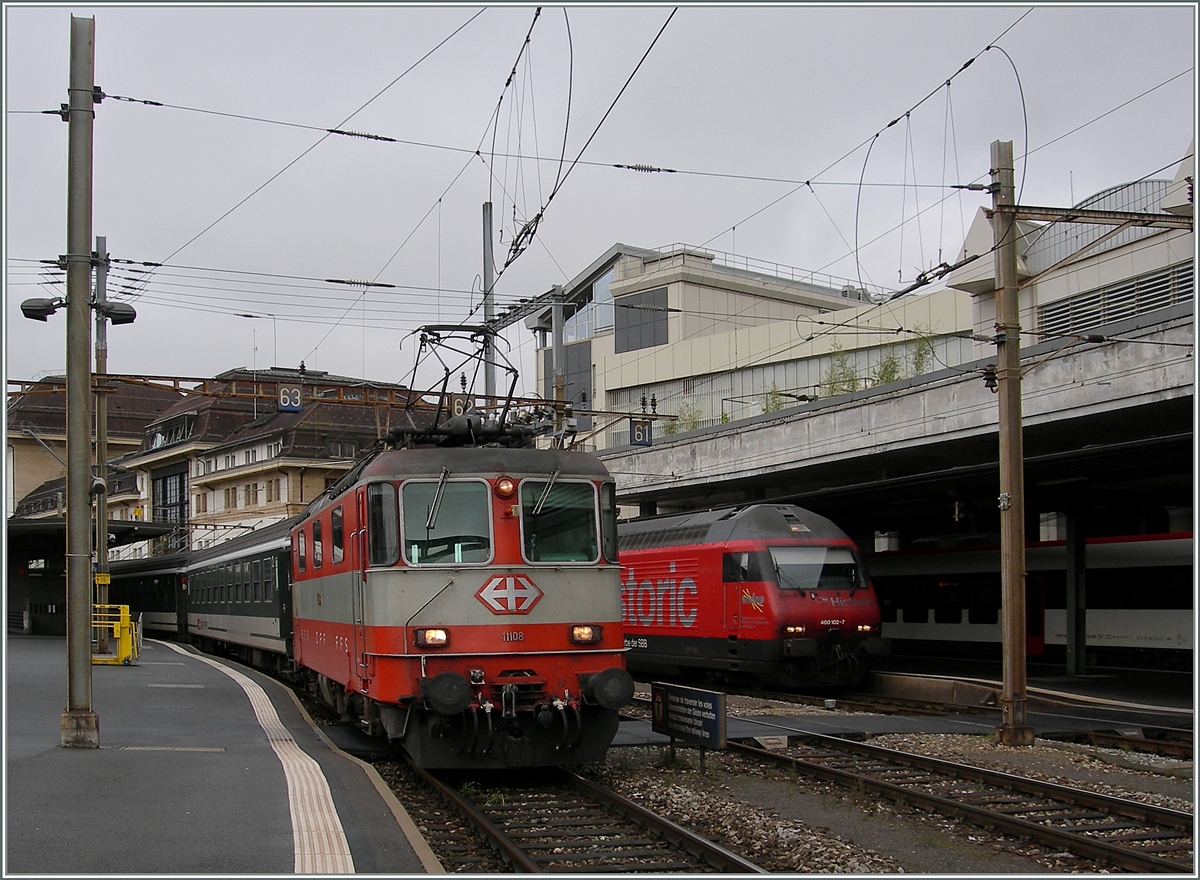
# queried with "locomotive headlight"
point(585, 634)
point(505, 487)
point(865, 628)
point(431, 638)
point(795, 630)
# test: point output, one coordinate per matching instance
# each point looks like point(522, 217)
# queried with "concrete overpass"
point(1109, 434)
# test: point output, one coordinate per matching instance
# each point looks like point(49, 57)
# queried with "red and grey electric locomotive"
point(465, 601)
point(772, 591)
point(460, 591)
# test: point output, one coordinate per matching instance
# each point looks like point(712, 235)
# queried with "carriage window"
point(336, 535)
point(383, 532)
point(608, 520)
point(446, 522)
point(816, 568)
point(317, 545)
point(269, 579)
point(256, 579)
point(239, 588)
point(300, 548)
point(563, 528)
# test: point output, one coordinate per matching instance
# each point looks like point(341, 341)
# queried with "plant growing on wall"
point(687, 418)
point(887, 370)
point(922, 350)
point(773, 400)
point(842, 376)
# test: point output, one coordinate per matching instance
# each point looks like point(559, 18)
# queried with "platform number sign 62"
point(289, 398)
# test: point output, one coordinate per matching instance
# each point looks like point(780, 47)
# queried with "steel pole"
point(489, 308)
point(80, 725)
point(102, 392)
point(1015, 729)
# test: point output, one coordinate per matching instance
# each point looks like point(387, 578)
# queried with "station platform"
point(204, 766)
point(1047, 685)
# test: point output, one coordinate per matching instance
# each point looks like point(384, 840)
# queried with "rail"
point(1131, 835)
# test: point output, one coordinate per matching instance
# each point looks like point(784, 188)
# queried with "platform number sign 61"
point(640, 432)
point(289, 398)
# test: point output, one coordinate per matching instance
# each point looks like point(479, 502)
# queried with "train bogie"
point(769, 591)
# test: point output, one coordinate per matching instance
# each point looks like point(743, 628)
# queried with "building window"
point(202, 503)
point(640, 321)
point(343, 449)
point(170, 504)
point(602, 297)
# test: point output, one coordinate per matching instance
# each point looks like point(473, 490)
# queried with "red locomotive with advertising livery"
point(769, 590)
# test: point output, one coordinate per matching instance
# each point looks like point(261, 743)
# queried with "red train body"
point(773, 591)
point(465, 601)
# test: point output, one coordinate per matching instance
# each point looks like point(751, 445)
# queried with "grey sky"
point(746, 103)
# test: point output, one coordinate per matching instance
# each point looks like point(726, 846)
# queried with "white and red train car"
point(772, 591)
point(466, 602)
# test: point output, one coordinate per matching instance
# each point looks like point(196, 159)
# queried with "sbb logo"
point(509, 594)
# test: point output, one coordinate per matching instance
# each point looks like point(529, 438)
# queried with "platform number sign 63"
point(289, 398)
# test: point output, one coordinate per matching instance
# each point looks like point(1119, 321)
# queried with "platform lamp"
point(41, 308)
point(80, 725)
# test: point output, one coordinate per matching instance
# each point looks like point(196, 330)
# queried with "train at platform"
point(1139, 600)
point(769, 592)
point(464, 602)
point(457, 591)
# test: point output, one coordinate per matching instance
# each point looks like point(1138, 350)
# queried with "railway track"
point(1127, 834)
point(1166, 742)
point(566, 824)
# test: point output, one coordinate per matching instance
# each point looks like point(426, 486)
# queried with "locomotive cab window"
point(446, 522)
point(816, 568)
point(608, 520)
point(558, 521)
point(318, 545)
point(752, 565)
point(383, 530)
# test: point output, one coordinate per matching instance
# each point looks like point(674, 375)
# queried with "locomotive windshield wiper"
point(780, 573)
point(431, 520)
point(537, 508)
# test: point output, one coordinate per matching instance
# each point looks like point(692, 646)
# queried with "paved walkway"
point(203, 767)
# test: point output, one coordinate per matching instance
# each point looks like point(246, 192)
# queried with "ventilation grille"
point(1116, 302)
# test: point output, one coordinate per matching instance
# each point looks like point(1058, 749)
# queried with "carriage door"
point(1035, 615)
point(358, 638)
point(733, 577)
